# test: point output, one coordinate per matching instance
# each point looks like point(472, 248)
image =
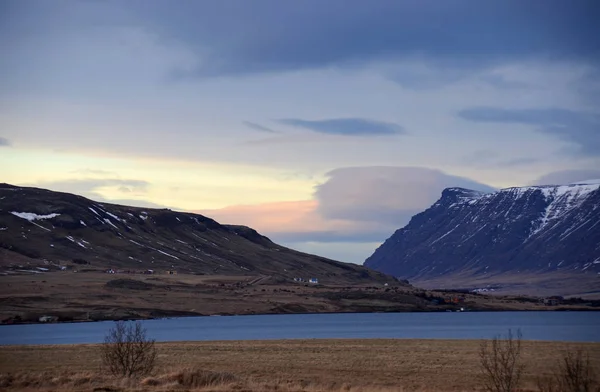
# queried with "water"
point(561, 326)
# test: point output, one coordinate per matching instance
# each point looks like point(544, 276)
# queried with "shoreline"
point(535, 326)
point(101, 297)
point(577, 310)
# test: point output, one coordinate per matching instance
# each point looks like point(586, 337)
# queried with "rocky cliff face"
point(41, 230)
point(537, 229)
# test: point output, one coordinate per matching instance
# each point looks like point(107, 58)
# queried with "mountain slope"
point(535, 230)
point(47, 229)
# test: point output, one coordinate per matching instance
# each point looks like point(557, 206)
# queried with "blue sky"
point(323, 124)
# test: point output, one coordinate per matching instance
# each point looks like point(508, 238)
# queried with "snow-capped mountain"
point(535, 229)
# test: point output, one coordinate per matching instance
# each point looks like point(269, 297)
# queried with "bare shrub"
point(574, 373)
point(6, 380)
point(127, 351)
point(196, 378)
point(500, 361)
point(150, 382)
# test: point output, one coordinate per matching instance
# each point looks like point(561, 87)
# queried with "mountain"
point(44, 230)
point(532, 237)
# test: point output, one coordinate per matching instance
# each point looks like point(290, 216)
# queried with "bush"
point(127, 351)
point(574, 373)
point(501, 366)
point(196, 378)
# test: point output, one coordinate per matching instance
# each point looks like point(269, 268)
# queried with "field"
point(100, 296)
point(292, 365)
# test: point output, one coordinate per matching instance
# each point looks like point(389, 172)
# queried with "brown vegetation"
point(286, 365)
point(100, 296)
point(501, 364)
point(574, 373)
point(127, 351)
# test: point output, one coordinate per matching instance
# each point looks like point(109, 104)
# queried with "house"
point(48, 319)
point(171, 272)
point(313, 281)
point(553, 301)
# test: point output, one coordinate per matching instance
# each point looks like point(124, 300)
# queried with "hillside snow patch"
point(30, 216)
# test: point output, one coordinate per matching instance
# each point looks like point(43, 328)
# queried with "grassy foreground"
point(286, 365)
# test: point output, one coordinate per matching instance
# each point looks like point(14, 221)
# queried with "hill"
point(45, 230)
point(538, 239)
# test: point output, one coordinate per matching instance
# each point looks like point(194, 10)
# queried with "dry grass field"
point(293, 365)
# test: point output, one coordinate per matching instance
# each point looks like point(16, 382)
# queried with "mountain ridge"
point(533, 229)
point(56, 229)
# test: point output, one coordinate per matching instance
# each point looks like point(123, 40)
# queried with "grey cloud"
point(501, 82)
point(489, 159)
point(258, 127)
point(270, 35)
point(4, 142)
point(518, 162)
point(579, 128)
point(564, 177)
point(347, 126)
point(388, 196)
point(480, 157)
point(588, 86)
point(424, 77)
point(432, 74)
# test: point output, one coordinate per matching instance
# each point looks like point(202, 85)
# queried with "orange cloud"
point(278, 217)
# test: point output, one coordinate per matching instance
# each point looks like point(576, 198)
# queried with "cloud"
point(357, 204)
point(491, 159)
point(133, 202)
point(385, 195)
point(525, 161)
point(258, 127)
point(97, 189)
point(91, 184)
point(420, 75)
point(347, 126)
point(564, 177)
point(272, 36)
point(93, 172)
point(501, 82)
point(579, 128)
point(4, 142)
point(94, 189)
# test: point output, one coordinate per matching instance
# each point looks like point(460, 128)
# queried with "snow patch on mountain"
point(561, 200)
point(30, 216)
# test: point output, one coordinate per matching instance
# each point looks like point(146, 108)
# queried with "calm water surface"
point(567, 326)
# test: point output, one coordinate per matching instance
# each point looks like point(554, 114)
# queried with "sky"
point(325, 125)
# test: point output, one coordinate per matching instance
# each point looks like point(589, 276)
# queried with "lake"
point(561, 326)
